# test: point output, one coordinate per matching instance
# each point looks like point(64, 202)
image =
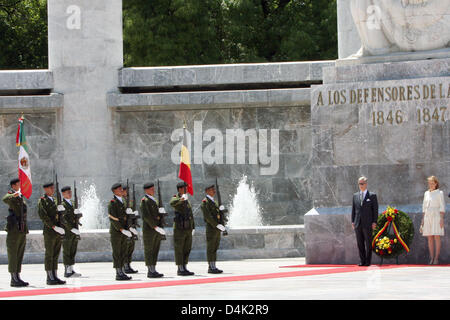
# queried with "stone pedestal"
point(330, 239)
point(85, 54)
point(387, 121)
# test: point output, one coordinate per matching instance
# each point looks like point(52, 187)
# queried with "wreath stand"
point(382, 257)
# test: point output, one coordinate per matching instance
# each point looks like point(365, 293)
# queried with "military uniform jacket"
point(117, 215)
point(69, 220)
point(150, 214)
point(15, 211)
point(183, 209)
point(48, 213)
point(211, 213)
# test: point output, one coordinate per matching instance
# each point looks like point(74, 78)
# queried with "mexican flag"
point(185, 164)
point(24, 160)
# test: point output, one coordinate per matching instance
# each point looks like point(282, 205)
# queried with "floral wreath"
point(390, 245)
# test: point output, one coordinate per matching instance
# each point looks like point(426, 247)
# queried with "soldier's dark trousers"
point(69, 244)
point(15, 244)
point(182, 244)
point(52, 245)
point(119, 245)
point(130, 250)
point(152, 243)
point(212, 244)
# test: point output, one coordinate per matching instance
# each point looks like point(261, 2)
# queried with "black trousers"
point(364, 242)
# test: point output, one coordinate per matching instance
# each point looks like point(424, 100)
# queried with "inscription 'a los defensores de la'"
point(384, 94)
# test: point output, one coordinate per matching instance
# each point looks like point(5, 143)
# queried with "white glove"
point(136, 213)
point(129, 211)
point(59, 230)
point(60, 208)
point(193, 231)
point(162, 210)
point(126, 232)
point(77, 211)
point(220, 227)
point(133, 230)
point(221, 208)
point(184, 196)
point(160, 230)
point(76, 231)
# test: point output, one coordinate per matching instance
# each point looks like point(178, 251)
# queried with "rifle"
point(161, 215)
point(131, 218)
point(58, 203)
point(135, 218)
point(23, 215)
point(222, 219)
point(75, 206)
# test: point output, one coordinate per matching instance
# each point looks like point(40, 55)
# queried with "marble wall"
point(144, 147)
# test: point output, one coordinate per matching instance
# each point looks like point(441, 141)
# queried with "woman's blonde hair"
point(433, 178)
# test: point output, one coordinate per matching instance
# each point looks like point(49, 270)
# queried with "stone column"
point(85, 51)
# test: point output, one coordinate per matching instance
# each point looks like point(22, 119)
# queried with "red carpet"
point(373, 265)
point(155, 284)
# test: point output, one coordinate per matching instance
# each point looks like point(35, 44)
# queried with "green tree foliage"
point(23, 34)
point(183, 32)
point(186, 32)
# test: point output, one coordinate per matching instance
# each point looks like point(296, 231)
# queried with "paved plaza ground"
point(256, 279)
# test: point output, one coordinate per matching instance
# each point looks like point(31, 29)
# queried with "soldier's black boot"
point(188, 273)
point(24, 283)
point(67, 272)
point(58, 280)
point(212, 268)
point(51, 278)
point(128, 269)
point(181, 271)
point(15, 282)
point(120, 275)
point(152, 273)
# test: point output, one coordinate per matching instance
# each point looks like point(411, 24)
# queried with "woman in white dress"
point(432, 225)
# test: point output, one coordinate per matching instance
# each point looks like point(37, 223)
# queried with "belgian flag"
point(185, 164)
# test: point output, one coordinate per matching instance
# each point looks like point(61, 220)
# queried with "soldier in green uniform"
point(131, 242)
point(152, 229)
point(118, 231)
point(50, 214)
point(17, 230)
point(183, 229)
point(72, 234)
point(213, 217)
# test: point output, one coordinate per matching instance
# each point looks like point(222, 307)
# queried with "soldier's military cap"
point(115, 186)
point(148, 185)
point(14, 181)
point(210, 187)
point(48, 184)
point(66, 188)
point(181, 185)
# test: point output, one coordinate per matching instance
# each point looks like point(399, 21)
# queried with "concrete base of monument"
point(330, 239)
point(395, 57)
point(243, 243)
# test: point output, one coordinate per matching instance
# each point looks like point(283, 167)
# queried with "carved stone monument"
point(383, 113)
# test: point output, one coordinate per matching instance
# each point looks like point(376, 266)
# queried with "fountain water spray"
point(90, 206)
point(245, 209)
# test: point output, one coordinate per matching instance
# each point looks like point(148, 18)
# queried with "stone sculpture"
point(388, 26)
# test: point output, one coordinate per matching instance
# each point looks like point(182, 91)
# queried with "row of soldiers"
point(61, 221)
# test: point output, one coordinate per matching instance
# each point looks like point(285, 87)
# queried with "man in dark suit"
point(364, 220)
